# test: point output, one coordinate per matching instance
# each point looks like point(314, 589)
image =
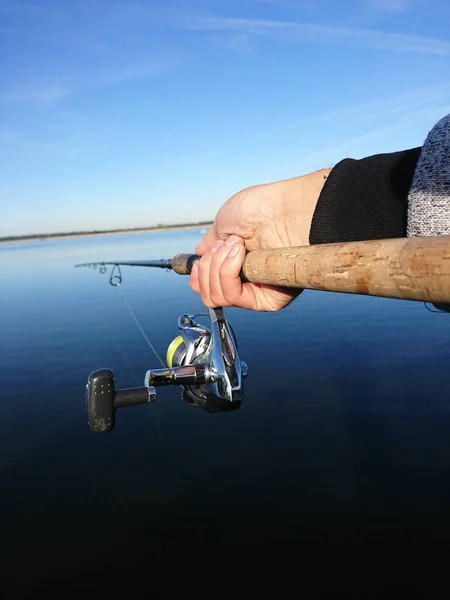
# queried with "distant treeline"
point(46, 236)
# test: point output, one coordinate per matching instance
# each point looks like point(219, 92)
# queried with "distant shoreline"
point(74, 234)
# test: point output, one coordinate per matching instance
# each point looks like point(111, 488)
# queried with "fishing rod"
point(204, 360)
point(115, 278)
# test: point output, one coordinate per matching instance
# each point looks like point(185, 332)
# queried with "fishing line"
point(158, 425)
point(128, 362)
point(152, 348)
point(119, 347)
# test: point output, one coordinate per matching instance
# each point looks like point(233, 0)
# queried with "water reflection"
point(341, 446)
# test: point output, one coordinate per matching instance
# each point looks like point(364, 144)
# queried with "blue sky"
point(133, 113)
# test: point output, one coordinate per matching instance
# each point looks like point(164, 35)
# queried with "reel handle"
point(102, 399)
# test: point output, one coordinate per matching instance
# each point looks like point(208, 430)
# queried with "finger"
point(236, 293)
point(215, 285)
point(233, 293)
point(204, 266)
point(193, 279)
point(207, 242)
point(233, 290)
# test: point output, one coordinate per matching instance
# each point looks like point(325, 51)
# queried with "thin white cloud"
point(296, 3)
point(404, 109)
point(38, 94)
point(87, 79)
point(370, 39)
point(349, 145)
point(83, 45)
point(389, 6)
point(8, 137)
point(14, 140)
point(404, 103)
point(241, 43)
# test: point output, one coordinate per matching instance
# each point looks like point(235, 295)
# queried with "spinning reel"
point(203, 360)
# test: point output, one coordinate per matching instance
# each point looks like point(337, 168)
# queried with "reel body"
point(203, 360)
point(216, 349)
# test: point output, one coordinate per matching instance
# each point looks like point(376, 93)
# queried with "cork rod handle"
point(404, 268)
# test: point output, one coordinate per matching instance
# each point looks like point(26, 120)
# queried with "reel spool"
point(177, 356)
point(176, 352)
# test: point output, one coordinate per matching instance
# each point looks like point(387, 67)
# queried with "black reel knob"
point(102, 399)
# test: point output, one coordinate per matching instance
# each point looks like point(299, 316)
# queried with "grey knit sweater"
point(391, 195)
point(429, 195)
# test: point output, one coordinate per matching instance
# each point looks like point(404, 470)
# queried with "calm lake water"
point(341, 449)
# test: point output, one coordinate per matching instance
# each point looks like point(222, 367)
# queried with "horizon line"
point(62, 234)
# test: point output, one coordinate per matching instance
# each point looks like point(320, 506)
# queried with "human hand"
point(274, 215)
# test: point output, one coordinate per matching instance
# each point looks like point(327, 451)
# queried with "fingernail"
point(194, 267)
point(232, 240)
point(216, 246)
point(234, 250)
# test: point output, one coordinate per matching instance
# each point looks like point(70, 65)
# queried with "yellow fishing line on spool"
point(172, 350)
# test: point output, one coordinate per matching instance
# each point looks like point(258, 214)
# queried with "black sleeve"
point(365, 199)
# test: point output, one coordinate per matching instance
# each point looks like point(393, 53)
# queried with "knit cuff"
point(365, 199)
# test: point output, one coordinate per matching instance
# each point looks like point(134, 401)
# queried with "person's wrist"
point(300, 196)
